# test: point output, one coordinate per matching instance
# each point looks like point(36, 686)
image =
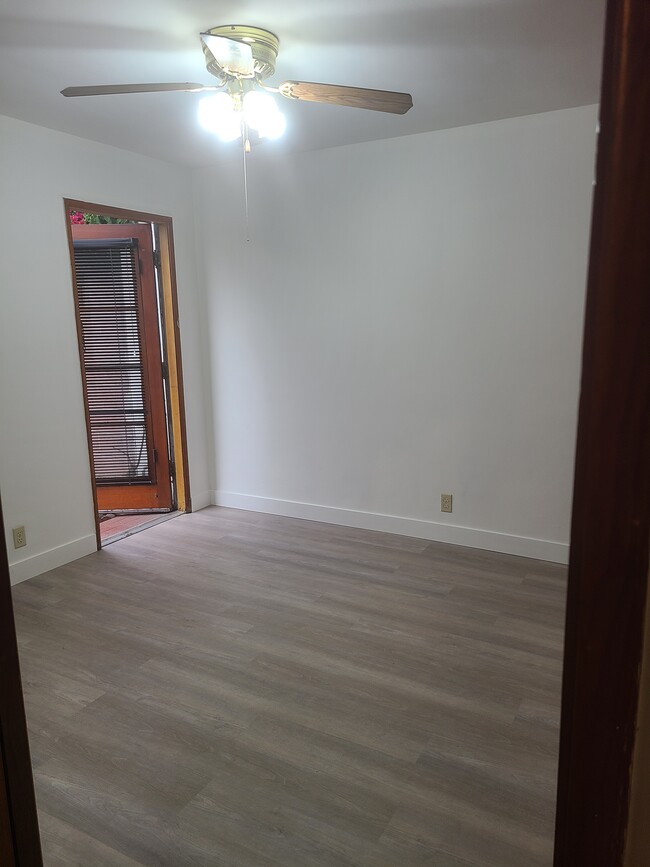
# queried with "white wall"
point(406, 320)
point(44, 473)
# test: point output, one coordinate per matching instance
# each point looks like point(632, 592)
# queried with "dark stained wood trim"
point(20, 844)
point(6, 836)
point(608, 571)
point(165, 223)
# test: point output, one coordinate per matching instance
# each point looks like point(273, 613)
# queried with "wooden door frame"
point(172, 338)
point(20, 844)
point(608, 567)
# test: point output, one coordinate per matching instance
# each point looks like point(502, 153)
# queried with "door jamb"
point(20, 843)
point(608, 568)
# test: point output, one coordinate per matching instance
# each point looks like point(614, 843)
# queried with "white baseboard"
point(470, 537)
point(202, 500)
point(59, 556)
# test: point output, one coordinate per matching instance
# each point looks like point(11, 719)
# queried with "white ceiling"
point(464, 62)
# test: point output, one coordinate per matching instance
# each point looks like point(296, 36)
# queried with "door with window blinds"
point(122, 365)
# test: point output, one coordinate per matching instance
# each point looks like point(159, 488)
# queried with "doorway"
point(129, 350)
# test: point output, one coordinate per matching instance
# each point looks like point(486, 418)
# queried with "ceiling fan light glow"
point(217, 114)
point(275, 126)
point(262, 114)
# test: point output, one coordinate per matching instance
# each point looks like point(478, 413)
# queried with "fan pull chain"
point(246, 149)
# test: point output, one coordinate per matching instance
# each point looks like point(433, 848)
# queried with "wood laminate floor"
point(232, 689)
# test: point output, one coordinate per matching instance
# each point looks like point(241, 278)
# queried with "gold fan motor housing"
point(264, 45)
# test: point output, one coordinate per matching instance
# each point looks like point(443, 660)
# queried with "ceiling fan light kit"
point(261, 46)
point(229, 115)
point(241, 58)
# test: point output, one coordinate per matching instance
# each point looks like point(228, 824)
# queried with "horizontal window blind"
point(107, 289)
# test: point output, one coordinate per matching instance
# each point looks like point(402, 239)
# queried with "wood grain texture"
point(235, 689)
point(354, 97)
point(172, 334)
point(608, 571)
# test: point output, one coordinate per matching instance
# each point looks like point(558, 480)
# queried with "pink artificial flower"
point(77, 217)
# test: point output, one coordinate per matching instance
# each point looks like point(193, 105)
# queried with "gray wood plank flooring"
point(232, 689)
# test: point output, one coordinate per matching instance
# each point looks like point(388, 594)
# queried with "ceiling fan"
point(241, 58)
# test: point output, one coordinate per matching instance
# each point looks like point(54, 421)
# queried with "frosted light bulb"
point(262, 114)
point(217, 114)
point(258, 108)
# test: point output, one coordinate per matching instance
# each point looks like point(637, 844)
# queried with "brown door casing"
point(20, 844)
point(153, 489)
point(608, 569)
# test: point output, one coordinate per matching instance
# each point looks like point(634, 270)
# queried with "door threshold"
point(131, 531)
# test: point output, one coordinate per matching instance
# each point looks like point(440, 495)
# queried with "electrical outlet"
point(20, 537)
point(445, 502)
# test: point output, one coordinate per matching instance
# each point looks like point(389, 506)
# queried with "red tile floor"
point(121, 523)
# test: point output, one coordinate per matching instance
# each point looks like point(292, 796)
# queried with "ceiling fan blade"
point(355, 97)
point(102, 89)
point(232, 56)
